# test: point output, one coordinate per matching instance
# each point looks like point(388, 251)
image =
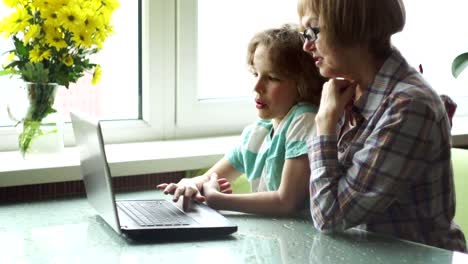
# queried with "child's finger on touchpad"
point(185, 203)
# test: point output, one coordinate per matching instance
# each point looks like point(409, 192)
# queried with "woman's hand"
point(336, 94)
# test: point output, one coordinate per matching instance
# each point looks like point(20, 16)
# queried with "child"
point(272, 151)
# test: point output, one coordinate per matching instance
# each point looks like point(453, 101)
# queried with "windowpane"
point(224, 30)
point(116, 96)
point(435, 33)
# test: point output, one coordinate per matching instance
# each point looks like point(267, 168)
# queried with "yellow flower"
point(96, 75)
point(14, 3)
point(58, 36)
point(71, 16)
point(92, 6)
point(4, 27)
point(61, 3)
point(10, 3)
point(47, 9)
point(82, 38)
point(55, 38)
point(91, 23)
point(37, 54)
point(51, 18)
point(9, 58)
point(110, 5)
point(102, 33)
point(16, 22)
point(105, 15)
point(32, 33)
point(68, 60)
point(42, 5)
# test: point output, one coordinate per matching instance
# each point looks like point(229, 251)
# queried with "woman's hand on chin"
point(336, 94)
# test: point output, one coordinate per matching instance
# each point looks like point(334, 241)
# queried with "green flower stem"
point(41, 99)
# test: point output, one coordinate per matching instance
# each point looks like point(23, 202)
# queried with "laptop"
point(152, 219)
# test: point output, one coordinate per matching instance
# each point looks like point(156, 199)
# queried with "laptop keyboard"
point(155, 213)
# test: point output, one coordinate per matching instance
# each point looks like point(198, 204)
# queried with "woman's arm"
point(290, 196)
point(396, 150)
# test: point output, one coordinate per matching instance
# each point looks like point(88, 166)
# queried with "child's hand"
point(211, 186)
point(210, 189)
point(185, 187)
point(216, 185)
point(188, 189)
point(224, 185)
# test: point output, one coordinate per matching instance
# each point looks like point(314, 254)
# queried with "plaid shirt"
point(391, 172)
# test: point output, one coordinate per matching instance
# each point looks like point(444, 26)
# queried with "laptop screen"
point(95, 169)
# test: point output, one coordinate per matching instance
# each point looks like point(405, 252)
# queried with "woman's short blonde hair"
point(284, 45)
point(355, 22)
point(304, 7)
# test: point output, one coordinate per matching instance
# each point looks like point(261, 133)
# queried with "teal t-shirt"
point(261, 157)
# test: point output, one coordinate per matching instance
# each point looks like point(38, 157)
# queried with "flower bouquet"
point(53, 40)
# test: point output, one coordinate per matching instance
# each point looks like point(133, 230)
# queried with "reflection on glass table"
point(68, 231)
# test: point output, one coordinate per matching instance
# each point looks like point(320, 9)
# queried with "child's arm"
point(289, 198)
point(190, 188)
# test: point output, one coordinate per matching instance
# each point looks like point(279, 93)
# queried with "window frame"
point(156, 76)
point(202, 116)
point(169, 107)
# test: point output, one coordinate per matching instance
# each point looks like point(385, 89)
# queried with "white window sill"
point(124, 159)
point(128, 159)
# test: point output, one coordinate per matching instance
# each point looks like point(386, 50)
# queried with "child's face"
point(274, 94)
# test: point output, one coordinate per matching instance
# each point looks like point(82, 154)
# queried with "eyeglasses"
point(310, 33)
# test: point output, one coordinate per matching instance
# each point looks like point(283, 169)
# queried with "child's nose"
point(258, 87)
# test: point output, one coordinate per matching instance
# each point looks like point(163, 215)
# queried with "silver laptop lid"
point(94, 168)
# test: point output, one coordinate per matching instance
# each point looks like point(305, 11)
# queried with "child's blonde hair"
point(288, 58)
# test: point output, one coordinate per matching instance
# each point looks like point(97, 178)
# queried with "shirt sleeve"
point(236, 155)
point(343, 196)
point(299, 133)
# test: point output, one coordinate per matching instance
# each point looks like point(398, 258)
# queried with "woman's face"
point(332, 61)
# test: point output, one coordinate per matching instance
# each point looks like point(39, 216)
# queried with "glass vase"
point(42, 127)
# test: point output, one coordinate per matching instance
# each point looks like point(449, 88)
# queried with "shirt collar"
point(382, 85)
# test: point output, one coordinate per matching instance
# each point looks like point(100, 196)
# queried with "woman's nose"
point(308, 45)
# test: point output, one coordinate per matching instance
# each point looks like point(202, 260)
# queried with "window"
point(213, 35)
point(433, 36)
point(214, 86)
point(116, 97)
point(185, 75)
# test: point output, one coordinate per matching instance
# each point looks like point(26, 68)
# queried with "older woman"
point(381, 157)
